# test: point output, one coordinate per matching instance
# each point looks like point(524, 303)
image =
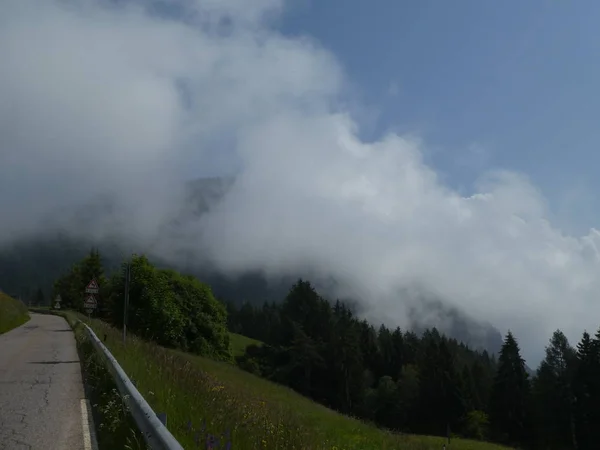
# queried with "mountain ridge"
point(39, 260)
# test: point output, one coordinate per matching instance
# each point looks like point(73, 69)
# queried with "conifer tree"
point(510, 396)
point(553, 395)
point(584, 381)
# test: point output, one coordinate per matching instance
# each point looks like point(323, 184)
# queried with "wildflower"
point(211, 442)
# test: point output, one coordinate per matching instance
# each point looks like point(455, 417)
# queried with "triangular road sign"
point(90, 302)
point(92, 287)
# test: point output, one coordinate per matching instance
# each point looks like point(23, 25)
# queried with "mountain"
point(33, 263)
point(457, 324)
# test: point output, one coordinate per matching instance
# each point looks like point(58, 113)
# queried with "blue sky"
point(487, 84)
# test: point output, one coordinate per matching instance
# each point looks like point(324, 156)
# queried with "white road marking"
point(89, 433)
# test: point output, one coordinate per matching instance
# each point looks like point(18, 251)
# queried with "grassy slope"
point(12, 313)
point(203, 397)
point(238, 343)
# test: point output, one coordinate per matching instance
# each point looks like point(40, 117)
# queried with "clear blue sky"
point(517, 80)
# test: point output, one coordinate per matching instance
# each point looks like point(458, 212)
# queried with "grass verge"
point(216, 405)
point(115, 428)
point(12, 313)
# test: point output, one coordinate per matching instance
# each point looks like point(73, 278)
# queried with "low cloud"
point(124, 100)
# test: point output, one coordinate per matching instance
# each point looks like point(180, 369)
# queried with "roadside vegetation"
point(115, 427)
point(214, 404)
point(166, 307)
point(317, 376)
point(12, 313)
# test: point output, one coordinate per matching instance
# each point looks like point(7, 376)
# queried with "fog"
point(124, 101)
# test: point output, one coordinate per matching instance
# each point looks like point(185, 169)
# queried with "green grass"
point(238, 343)
point(115, 428)
point(12, 313)
point(203, 397)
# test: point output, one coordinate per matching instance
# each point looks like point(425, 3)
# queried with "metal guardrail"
point(155, 433)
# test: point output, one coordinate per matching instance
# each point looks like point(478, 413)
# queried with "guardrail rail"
point(156, 435)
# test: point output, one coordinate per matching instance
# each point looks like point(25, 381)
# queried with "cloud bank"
point(124, 100)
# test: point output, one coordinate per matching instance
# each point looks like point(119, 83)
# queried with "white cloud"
point(100, 98)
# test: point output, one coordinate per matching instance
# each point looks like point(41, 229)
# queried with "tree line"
point(169, 308)
point(428, 384)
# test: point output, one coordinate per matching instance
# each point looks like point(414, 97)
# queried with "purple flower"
point(210, 442)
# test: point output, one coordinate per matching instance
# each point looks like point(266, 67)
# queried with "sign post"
point(90, 303)
point(57, 301)
point(92, 287)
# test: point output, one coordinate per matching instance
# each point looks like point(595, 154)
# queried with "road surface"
point(42, 401)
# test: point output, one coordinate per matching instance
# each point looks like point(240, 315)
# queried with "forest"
point(422, 383)
point(426, 384)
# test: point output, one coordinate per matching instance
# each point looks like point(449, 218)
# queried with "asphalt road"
point(42, 401)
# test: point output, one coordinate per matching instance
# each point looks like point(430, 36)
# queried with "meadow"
point(239, 343)
point(12, 313)
point(215, 405)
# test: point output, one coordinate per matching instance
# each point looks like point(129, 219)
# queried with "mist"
point(116, 104)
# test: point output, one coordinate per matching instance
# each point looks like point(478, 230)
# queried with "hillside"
point(12, 313)
point(239, 343)
point(430, 385)
point(207, 400)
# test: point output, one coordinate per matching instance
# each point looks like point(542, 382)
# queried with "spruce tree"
point(510, 396)
point(584, 381)
point(553, 394)
point(587, 392)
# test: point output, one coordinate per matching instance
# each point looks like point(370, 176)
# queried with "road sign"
point(58, 299)
point(92, 287)
point(90, 304)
